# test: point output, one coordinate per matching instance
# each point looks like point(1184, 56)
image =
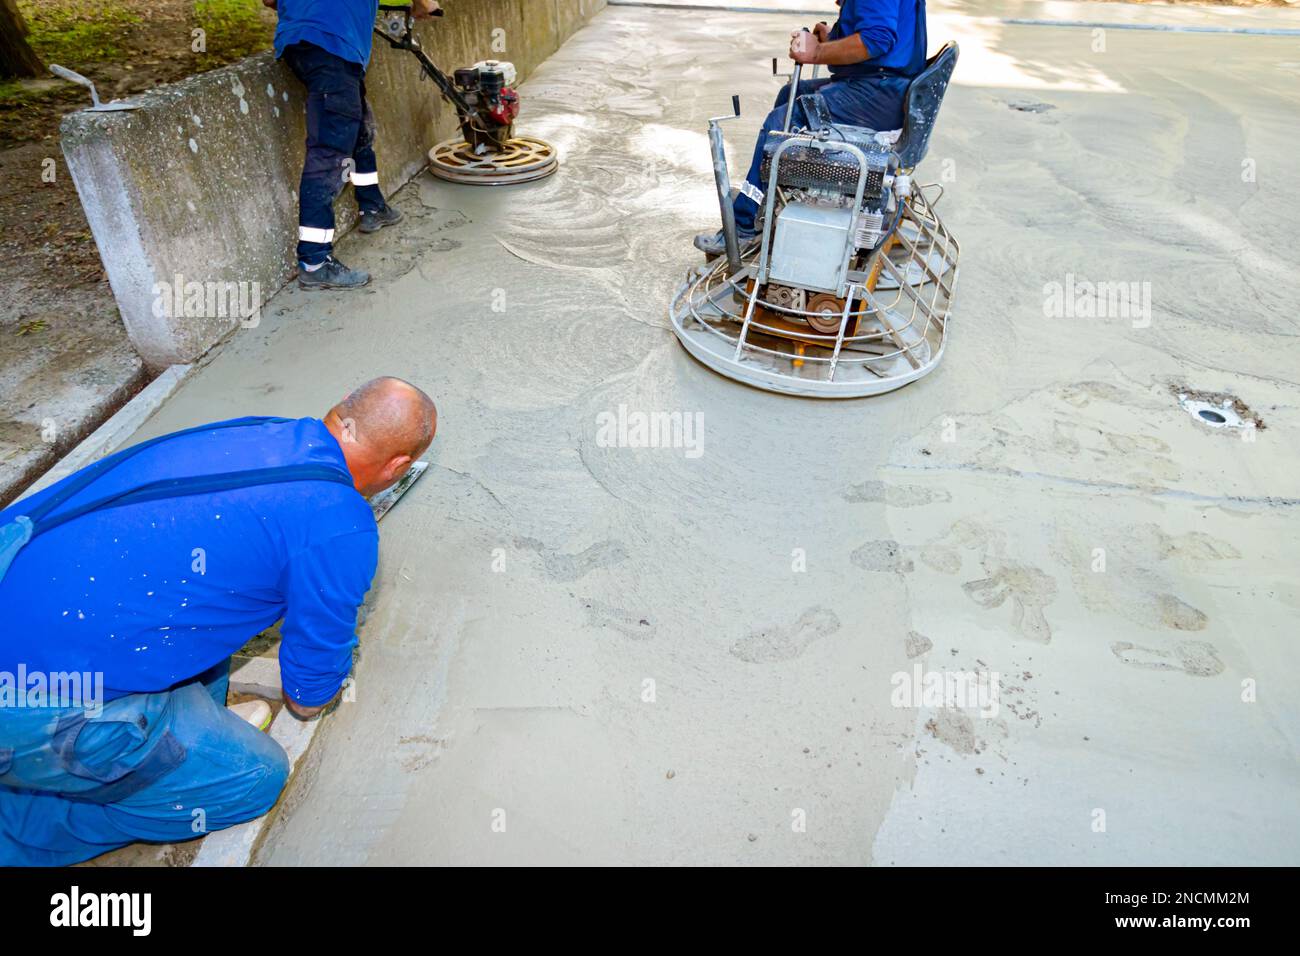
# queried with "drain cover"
point(1214, 412)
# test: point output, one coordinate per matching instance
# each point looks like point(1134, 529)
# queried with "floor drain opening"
point(1218, 410)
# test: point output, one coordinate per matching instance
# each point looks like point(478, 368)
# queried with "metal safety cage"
point(892, 328)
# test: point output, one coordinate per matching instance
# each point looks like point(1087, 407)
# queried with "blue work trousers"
point(159, 767)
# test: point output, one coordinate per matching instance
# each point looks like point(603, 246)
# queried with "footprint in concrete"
point(1191, 657)
point(635, 626)
point(954, 728)
point(1196, 546)
point(882, 556)
point(1029, 590)
point(917, 644)
point(1136, 584)
point(788, 641)
point(418, 751)
point(1178, 614)
point(571, 567)
point(1030, 106)
point(895, 496)
point(939, 558)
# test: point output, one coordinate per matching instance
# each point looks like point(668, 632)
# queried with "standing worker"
point(327, 45)
point(128, 585)
point(874, 51)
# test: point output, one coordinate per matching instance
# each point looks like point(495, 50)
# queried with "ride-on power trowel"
point(487, 153)
point(847, 289)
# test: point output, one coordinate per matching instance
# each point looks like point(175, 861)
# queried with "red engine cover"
point(507, 107)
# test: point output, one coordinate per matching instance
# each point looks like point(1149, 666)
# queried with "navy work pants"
point(340, 145)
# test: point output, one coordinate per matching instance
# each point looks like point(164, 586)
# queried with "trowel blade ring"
point(527, 159)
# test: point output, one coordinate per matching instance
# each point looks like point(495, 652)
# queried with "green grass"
point(104, 39)
point(76, 31)
point(234, 28)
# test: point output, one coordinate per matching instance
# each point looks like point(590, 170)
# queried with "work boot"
point(332, 274)
point(255, 712)
point(715, 243)
point(372, 220)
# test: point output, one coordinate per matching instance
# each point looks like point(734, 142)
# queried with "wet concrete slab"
point(585, 652)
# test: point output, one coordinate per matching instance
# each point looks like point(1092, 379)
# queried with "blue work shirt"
point(343, 27)
point(152, 594)
point(893, 32)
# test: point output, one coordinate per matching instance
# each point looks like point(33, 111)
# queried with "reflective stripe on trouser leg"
point(322, 180)
point(365, 171)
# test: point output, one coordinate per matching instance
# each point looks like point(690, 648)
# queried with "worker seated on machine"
point(873, 51)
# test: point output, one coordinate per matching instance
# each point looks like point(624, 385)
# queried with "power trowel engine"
point(825, 229)
point(488, 91)
point(488, 152)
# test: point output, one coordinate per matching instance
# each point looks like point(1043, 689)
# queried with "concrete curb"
point(115, 432)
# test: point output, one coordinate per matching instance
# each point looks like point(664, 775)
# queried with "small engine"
point(819, 218)
point(488, 90)
point(487, 153)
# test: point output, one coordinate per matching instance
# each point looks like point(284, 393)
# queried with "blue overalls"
point(868, 94)
point(81, 775)
point(326, 43)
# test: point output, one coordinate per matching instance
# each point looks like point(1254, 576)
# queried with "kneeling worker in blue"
point(128, 585)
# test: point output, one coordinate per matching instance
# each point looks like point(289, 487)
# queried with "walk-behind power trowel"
point(847, 289)
point(487, 153)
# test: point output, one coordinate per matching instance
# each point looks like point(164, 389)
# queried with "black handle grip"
point(735, 103)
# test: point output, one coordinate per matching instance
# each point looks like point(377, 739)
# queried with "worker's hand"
point(308, 713)
point(423, 9)
point(803, 47)
point(822, 32)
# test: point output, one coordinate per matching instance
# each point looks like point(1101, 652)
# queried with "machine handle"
point(735, 103)
point(795, 77)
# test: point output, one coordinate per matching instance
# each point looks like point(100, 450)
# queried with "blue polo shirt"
point(893, 31)
point(343, 27)
point(153, 594)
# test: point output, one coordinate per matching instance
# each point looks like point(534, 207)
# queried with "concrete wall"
point(201, 181)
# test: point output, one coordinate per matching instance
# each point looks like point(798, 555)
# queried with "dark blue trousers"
point(875, 102)
point(340, 145)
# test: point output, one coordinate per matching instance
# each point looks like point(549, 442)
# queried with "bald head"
point(382, 427)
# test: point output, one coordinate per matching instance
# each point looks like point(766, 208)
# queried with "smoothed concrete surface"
point(580, 653)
